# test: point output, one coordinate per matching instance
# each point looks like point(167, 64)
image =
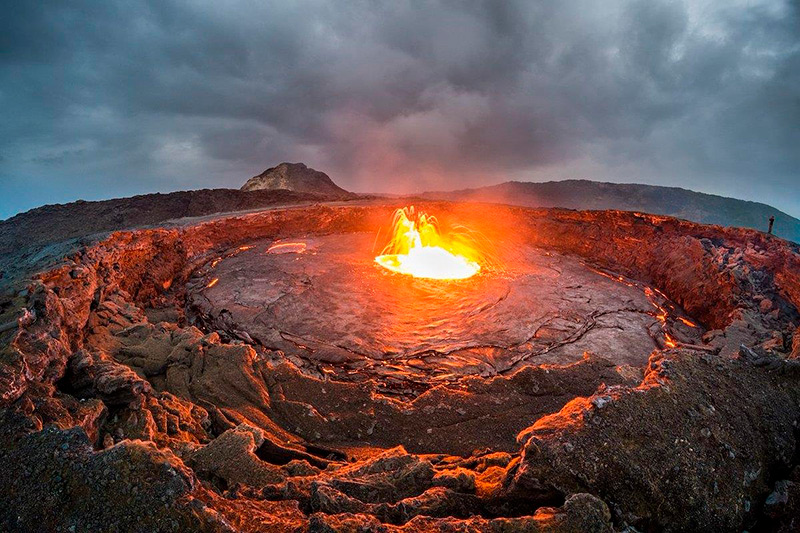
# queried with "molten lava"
point(418, 249)
point(287, 248)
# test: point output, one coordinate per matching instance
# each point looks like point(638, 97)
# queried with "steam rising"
point(109, 99)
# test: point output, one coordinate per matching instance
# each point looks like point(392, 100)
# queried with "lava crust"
point(325, 301)
point(607, 370)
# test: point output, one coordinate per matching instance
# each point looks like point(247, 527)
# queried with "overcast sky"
point(103, 99)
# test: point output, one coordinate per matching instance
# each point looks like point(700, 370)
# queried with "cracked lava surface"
point(324, 303)
point(258, 372)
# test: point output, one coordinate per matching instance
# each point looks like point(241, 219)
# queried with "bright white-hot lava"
point(418, 249)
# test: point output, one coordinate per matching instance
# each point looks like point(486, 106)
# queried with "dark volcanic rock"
point(714, 430)
point(231, 458)
point(782, 506)
point(54, 481)
point(196, 426)
point(97, 374)
point(295, 177)
point(581, 513)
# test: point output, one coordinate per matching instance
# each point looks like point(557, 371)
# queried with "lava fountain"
point(418, 249)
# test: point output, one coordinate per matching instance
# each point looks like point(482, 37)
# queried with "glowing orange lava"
point(418, 249)
point(669, 342)
point(287, 248)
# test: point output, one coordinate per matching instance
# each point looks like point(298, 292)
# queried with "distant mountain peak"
point(294, 177)
point(656, 199)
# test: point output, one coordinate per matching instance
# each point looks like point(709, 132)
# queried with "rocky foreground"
point(121, 412)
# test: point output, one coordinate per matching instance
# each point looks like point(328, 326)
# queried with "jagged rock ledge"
point(104, 385)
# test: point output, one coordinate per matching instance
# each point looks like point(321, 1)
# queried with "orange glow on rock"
point(669, 342)
point(417, 249)
point(287, 248)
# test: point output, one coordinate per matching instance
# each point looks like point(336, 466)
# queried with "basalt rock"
point(99, 375)
point(54, 481)
point(581, 513)
point(782, 505)
point(126, 406)
point(718, 429)
point(231, 458)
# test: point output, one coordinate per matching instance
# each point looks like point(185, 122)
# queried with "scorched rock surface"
point(120, 415)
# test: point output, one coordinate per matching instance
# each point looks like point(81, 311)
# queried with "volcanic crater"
point(323, 303)
point(264, 373)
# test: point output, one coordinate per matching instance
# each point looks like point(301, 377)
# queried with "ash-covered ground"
point(609, 371)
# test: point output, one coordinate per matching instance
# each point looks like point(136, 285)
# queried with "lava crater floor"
point(257, 371)
point(329, 308)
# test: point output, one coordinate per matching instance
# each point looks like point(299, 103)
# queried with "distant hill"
point(672, 201)
point(54, 223)
point(295, 177)
point(51, 231)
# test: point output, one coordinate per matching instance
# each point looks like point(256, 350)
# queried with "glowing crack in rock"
point(287, 248)
point(418, 249)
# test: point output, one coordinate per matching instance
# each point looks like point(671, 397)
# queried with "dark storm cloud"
point(104, 99)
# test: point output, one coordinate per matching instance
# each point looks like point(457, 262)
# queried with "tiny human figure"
point(771, 222)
